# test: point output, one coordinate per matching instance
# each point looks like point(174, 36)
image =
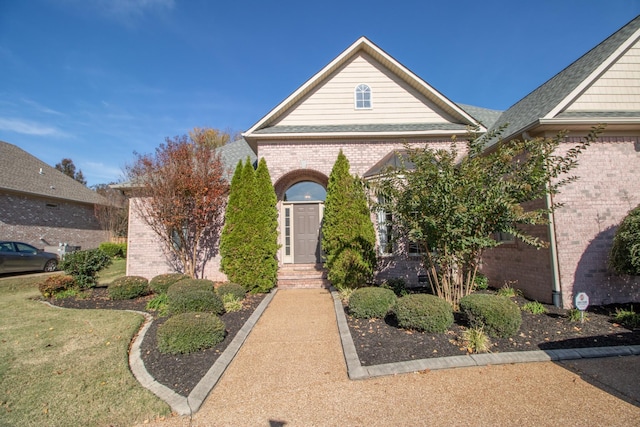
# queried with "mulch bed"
point(182, 372)
point(379, 341)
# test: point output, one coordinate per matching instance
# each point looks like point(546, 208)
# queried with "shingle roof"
point(21, 172)
point(485, 116)
point(545, 98)
point(234, 152)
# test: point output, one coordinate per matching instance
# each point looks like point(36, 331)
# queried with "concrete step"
point(293, 276)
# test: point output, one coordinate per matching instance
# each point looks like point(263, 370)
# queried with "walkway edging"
point(190, 405)
point(358, 372)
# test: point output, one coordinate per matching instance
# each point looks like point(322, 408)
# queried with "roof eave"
point(348, 135)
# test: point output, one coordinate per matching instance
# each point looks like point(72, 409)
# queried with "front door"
point(306, 233)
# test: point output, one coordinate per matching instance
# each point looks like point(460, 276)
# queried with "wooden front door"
point(306, 233)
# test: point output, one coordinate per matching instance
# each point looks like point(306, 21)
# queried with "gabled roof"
point(21, 172)
point(265, 126)
point(548, 101)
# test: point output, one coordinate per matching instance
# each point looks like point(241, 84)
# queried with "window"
point(503, 237)
point(287, 231)
point(385, 232)
point(363, 97)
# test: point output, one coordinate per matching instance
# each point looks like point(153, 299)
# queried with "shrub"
point(481, 282)
point(371, 302)
point(128, 287)
point(114, 250)
point(159, 284)
point(238, 291)
point(189, 332)
point(423, 312)
point(231, 303)
point(534, 307)
point(628, 318)
point(53, 285)
point(193, 295)
point(398, 286)
point(624, 257)
point(575, 315)
point(497, 315)
point(159, 304)
point(508, 291)
point(84, 266)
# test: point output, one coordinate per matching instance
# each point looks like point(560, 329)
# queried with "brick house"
point(44, 207)
point(368, 105)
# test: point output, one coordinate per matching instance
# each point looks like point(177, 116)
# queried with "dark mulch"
point(379, 341)
point(182, 372)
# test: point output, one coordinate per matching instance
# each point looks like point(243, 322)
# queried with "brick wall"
point(607, 188)
point(594, 206)
point(522, 266)
point(48, 222)
point(146, 257)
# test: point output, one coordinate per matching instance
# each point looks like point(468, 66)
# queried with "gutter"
point(556, 294)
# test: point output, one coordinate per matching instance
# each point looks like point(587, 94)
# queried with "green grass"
point(61, 367)
point(116, 269)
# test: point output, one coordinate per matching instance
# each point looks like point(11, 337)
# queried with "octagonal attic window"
point(363, 97)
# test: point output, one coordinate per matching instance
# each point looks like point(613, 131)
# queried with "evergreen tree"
point(228, 240)
point(348, 235)
point(264, 219)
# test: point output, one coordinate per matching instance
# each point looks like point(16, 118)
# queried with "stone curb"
point(357, 372)
point(190, 405)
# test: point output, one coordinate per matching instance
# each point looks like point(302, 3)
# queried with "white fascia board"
point(593, 76)
point(332, 135)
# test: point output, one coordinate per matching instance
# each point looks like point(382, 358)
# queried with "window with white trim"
point(363, 97)
point(385, 219)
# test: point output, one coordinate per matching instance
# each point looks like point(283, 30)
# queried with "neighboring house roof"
point(23, 173)
point(547, 102)
point(270, 126)
point(485, 116)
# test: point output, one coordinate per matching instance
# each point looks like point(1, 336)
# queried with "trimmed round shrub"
point(238, 291)
point(371, 302)
point(193, 295)
point(189, 332)
point(55, 284)
point(160, 283)
point(624, 257)
point(423, 312)
point(498, 316)
point(84, 266)
point(201, 284)
point(128, 287)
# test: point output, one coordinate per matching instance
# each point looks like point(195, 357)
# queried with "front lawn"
point(67, 367)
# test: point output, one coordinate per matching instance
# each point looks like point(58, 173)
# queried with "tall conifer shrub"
point(348, 235)
point(249, 240)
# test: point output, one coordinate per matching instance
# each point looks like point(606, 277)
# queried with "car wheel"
point(51, 265)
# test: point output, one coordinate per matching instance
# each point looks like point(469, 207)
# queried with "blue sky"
point(97, 80)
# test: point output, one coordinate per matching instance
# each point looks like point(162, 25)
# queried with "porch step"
point(293, 276)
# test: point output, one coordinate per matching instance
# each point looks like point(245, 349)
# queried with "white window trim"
point(355, 97)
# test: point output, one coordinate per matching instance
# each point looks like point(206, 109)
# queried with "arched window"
point(305, 191)
point(363, 97)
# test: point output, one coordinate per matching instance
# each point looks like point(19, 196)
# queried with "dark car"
point(17, 257)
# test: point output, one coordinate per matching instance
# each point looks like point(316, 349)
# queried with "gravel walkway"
point(291, 371)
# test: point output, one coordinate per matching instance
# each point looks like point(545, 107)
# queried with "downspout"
point(556, 295)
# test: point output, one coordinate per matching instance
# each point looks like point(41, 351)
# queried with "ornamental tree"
point(348, 236)
point(180, 192)
point(451, 203)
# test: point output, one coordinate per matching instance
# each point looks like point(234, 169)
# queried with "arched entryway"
point(301, 195)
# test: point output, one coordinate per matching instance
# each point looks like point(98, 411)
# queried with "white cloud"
point(41, 108)
point(29, 128)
